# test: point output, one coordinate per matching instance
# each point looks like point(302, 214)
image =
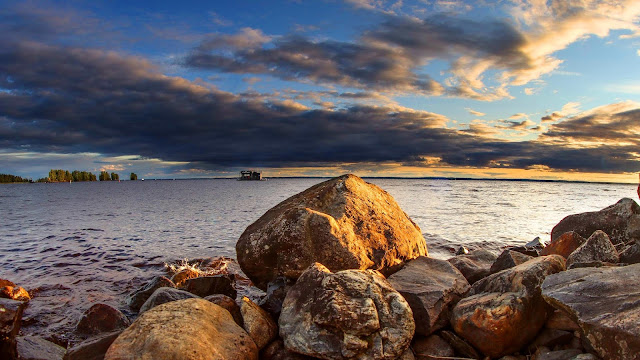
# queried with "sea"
point(76, 244)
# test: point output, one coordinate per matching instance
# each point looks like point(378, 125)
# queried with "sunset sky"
point(181, 89)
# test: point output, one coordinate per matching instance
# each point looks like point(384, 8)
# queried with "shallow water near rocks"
point(73, 245)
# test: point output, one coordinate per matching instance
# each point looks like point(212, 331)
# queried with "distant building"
point(250, 175)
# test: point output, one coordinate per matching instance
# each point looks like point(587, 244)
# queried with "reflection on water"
point(83, 243)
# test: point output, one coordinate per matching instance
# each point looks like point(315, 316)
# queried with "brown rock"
point(137, 298)
point(164, 295)
point(551, 338)
point(556, 355)
point(431, 348)
point(277, 351)
point(37, 348)
point(631, 253)
point(210, 285)
point(597, 248)
point(186, 274)
point(349, 314)
point(507, 260)
point(9, 290)
point(474, 265)
point(621, 222)
point(564, 245)
point(258, 323)
point(561, 321)
point(10, 317)
point(229, 304)
point(460, 346)
point(605, 302)
point(192, 329)
point(343, 223)
point(432, 288)
point(101, 318)
point(505, 310)
point(93, 348)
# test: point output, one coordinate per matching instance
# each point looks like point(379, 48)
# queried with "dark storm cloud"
point(608, 124)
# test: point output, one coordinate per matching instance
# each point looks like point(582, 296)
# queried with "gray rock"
point(276, 292)
point(10, 317)
point(585, 357)
point(210, 285)
point(431, 348)
point(164, 295)
point(551, 338)
point(536, 243)
point(459, 345)
point(101, 318)
point(229, 304)
point(432, 288)
point(605, 303)
point(508, 259)
point(93, 348)
point(137, 298)
point(349, 314)
point(277, 351)
point(556, 355)
point(258, 323)
point(598, 247)
point(474, 265)
point(631, 253)
point(37, 348)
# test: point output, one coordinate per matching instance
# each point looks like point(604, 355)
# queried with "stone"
point(210, 285)
point(10, 317)
point(179, 278)
point(431, 348)
point(93, 348)
point(164, 295)
point(621, 222)
point(551, 338)
point(101, 318)
point(277, 351)
point(349, 314)
point(258, 323)
point(561, 321)
point(474, 265)
point(556, 355)
point(508, 259)
point(37, 348)
point(432, 287)
point(564, 245)
point(505, 311)
point(9, 290)
point(598, 247)
point(229, 304)
point(631, 253)
point(533, 252)
point(276, 292)
point(605, 303)
point(536, 243)
point(585, 357)
point(459, 345)
point(462, 250)
point(343, 223)
point(138, 297)
point(185, 329)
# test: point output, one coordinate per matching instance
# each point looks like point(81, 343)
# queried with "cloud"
point(474, 112)
point(552, 117)
point(518, 116)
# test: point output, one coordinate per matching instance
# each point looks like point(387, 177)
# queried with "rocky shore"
point(346, 275)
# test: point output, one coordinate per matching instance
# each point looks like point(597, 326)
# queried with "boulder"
point(505, 310)
point(343, 223)
point(229, 304)
point(257, 323)
point(349, 314)
point(564, 245)
point(432, 288)
point(631, 253)
point(37, 348)
point(186, 274)
point(474, 265)
point(536, 243)
point(559, 320)
point(137, 298)
point(508, 259)
point(431, 348)
point(210, 285)
point(101, 318)
point(277, 351)
point(164, 295)
point(597, 248)
point(551, 338)
point(9, 290)
point(621, 222)
point(459, 345)
point(556, 355)
point(605, 303)
point(276, 292)
point(93, 348)
point(10, 317)
point(185, 329)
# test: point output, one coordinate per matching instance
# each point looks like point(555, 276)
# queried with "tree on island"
point(104, 176)
point(133, 177)
point(115, 177)
point(6, 178)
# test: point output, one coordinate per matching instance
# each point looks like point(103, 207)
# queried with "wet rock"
point(432, 288)
point(101, 318)
point(9, 290)
point(462, 250)
point(431, 348)
point(229, 304)
point(460, 346)
point(180, 277)
point(277, 351)
point(137, 298)
point(258, 323)
point(343, 223)
point(37, 348)
point(536, 243)
point(505, 311)
point(508, 259)
point(556, 355)
point(349, 314)
point(93, 348)
point(210, 285)
point(597, 248)
point(621, 222)
point(164, 295)
point(276, 292)
point(564, 245)
point(10, 316)
point(551, 338)
point(605, 302)
point(474, 265)
point(561, 321)
point(533, 252)
point(184, 329)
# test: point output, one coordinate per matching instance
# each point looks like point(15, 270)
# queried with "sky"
point(484, 89)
